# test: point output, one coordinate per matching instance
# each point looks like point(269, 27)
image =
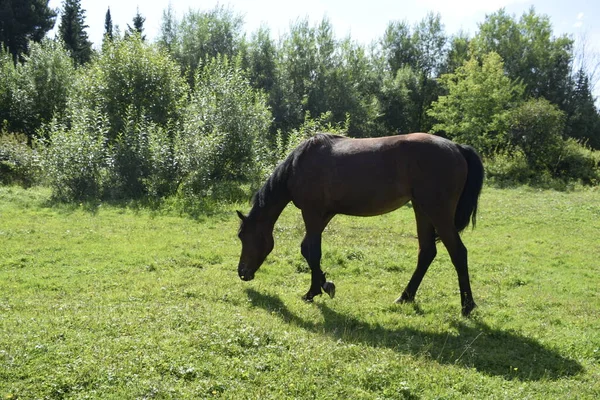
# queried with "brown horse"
point(328, 175)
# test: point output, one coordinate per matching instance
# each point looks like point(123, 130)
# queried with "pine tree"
point(72, 31)
point(138, 25)
point(108, 25)
point(22, 21)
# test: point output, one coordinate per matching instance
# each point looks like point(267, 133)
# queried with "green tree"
point(202, 36)
point(138, 26)
point(225, 126)
point(24, 21)
point(72, 31)
point(583, 121)
point(48, 71)
point(398, 101)
point(108, 26)
point(131, 79)
point(35, 92)
point(423, 49)
point(477, 107)
point(530, 53)
point(536, 128)
point(167, 37)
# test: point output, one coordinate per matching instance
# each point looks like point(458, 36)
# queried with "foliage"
point(19, 163)
point(48, 73)
point(577, 162)
point(530, 53)
point(138, 26)
point(583, 118)
point(108, 26)
point(476, 109)
point(76, 162)
point(37, 91)
point(133, 78)
point(202, 35)
point(398, 102)
point(225, 127)
point(72, 31)
point(143, 161)
point(122, 302)
point(24, 21)
point(535, 127)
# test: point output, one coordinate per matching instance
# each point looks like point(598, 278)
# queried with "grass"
point(115, 302)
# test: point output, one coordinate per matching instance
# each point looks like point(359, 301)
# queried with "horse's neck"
point(269, 212)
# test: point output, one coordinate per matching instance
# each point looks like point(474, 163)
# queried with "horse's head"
point(257, 243)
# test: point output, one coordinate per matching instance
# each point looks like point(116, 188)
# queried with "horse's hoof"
point(405, 298)
point(466, 311)
point(309, 297)
point(329, 288)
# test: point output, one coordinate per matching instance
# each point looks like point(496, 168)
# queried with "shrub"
point(75, 162)
point(577, 162)
point(536, 127)
point(19, 163)
point(37, 91)
point(132, 78)
point(225, 123)
point(143, 161)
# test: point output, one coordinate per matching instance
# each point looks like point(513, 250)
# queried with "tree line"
point(204, 104)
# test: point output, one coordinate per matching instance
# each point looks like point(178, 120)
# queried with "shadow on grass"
point(490, 351)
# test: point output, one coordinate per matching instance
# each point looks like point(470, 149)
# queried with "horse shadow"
point(491, 351)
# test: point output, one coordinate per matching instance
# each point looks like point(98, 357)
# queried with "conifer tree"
point(72, 31)
point(22, 21)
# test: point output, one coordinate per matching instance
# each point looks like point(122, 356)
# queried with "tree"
point(168, 29)
point(72, 31)
point(133, 79)
point(477, 107)
point(583, 122)
point(530, 53)
point(22, 21)
point(108, 26)
point(202, 36)
point(536, 128)
point(138, 26)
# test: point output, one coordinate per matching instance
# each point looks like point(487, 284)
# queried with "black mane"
point(275, 188)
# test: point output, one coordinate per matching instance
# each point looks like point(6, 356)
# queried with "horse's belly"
point(369, 205)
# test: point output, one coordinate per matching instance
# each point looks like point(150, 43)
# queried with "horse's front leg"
point(311, 251)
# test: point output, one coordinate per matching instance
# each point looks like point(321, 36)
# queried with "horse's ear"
point(242, 216)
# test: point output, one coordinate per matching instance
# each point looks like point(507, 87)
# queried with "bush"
point(37, 91)
point(19, 163)
point(75, 162)
point(226, 122)
point(536, 127)
point(132, 78)
point(577, 162)
point(143, 161)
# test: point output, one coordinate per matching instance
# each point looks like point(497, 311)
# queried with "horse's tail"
point(466, 211)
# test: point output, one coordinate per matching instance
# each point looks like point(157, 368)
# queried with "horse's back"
point(372, 176)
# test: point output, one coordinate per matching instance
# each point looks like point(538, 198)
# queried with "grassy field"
point(124, 303)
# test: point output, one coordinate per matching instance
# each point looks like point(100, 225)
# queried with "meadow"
point(126, 302)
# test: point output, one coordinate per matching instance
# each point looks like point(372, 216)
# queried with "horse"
point(330, 174)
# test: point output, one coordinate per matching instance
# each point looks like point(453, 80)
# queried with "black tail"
point(466, 211)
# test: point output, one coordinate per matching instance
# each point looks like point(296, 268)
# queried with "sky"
point(364, 21)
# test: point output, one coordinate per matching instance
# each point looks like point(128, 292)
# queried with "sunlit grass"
point(118, 302)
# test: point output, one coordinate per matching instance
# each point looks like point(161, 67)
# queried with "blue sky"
point(365, 21)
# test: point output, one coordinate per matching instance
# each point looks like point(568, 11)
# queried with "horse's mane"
point(276, 186)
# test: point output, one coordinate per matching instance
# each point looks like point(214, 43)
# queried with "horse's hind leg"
point(311, 250)
point(427, 252)
point(458, 254)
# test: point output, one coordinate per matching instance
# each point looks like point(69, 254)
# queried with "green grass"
point(115, 302)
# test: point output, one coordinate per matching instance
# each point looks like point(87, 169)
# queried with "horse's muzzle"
point(245, 274)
